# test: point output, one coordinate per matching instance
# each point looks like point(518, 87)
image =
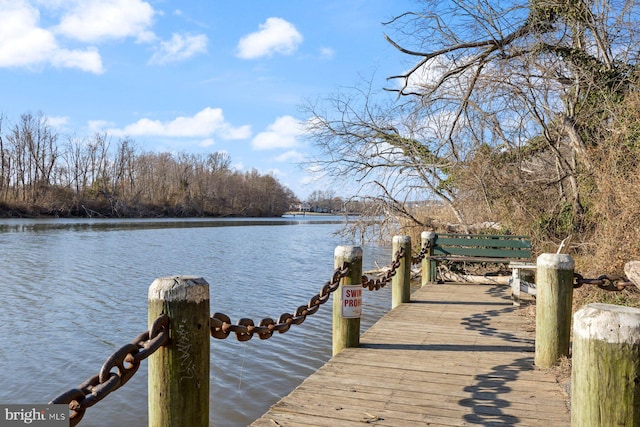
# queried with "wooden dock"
point(456, 355)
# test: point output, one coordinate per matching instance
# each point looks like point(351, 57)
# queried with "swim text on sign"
point(351, 301)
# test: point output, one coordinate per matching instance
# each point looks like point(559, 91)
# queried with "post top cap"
point(348, 252)
point(179, 288)
point(608, 322)
point(556, 261)
point(401, 239)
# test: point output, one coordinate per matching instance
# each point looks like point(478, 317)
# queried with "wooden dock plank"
point(456, 355)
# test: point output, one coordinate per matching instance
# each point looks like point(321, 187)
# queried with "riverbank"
point(119, 212)
point(304, 213)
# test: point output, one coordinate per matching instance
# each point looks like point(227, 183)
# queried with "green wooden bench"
point(515, 251)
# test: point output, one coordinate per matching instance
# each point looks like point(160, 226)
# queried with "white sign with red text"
point(351, 301)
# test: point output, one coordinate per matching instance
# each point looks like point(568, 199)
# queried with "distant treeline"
point(44, 174)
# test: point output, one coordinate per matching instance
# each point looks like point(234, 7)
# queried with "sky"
point(193, 76)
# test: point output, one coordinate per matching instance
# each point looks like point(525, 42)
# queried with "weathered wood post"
point(428, 266)
point(605, 377)
point(347, 300)
point(553, 308)
point(632, 271)
point(179, 372)
point(401, 282)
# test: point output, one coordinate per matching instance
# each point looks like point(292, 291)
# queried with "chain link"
point(221, 325)
point(422, 254)
point(126, 360)
point(376, 284)
point(608, 283)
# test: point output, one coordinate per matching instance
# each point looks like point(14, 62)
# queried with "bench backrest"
point(483, 246)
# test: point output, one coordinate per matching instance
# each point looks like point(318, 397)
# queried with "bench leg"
point(434, 272)
point(515, 286)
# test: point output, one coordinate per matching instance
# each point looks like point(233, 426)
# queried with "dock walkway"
point(456, 355)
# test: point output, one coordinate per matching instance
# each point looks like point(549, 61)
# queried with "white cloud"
point(21, 41)
point(203, 124)
point(283, 133)
point(99, 126)
point(24, 44)
point(327, 53)
point(275, 36)
point(208, 142)
point(179, 48)
point(290, 156)
point(57, 122)
point(88, 60)
point(240, 132)
point(97, 20)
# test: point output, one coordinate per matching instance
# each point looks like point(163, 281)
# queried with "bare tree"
point(123, 168)
point(384, 152)
point(514, 75)
point(33, 146)
point(5, 165)
point(527, 83)
point(77, 162)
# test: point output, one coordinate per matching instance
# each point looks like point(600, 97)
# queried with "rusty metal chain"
point(244, 330)
point(127, 361)
point(422, 254)
point(376, 284)
point(608, 283)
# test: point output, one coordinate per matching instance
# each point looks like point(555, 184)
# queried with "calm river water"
point(74, 291)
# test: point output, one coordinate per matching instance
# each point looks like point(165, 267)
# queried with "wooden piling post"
point(179, 371)
point(401, 282)
point(428, 265)
point(553, 308)
point(346, 311)
point(605, 380)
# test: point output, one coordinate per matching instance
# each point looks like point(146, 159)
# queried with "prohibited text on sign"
point(351, 301)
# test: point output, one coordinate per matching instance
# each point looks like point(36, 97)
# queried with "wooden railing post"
point(428, 265)
point(554, 282)
point(179, 371)
point(605, 366)
point(401, 282)
point(347, 300)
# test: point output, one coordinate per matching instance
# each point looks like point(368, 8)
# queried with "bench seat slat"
point(482, 252)
point(484, 236)
point(482, 242)
point(474, 259)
